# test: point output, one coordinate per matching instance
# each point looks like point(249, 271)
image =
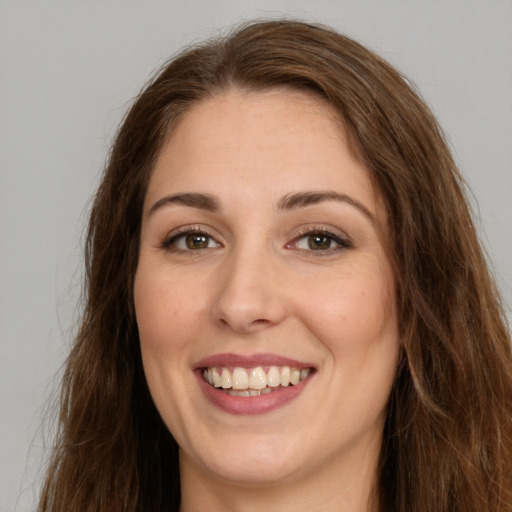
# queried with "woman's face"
point(262, 268)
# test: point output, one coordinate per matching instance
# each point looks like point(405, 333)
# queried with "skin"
point(257, 286)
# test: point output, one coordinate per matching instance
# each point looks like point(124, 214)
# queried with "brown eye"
point(197, 241)
point(319, 242)
point(190, 241)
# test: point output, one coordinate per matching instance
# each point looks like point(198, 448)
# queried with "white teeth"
point(273, 377)
point(225, 379)
point(285, 376)
point(217, 382)
point(256, 380)
point(240, 379)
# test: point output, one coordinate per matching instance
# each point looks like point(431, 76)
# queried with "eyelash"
point(341, 243)
point(170, 242)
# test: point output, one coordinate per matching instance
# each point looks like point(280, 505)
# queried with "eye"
point(319, 241)
point(190, 240)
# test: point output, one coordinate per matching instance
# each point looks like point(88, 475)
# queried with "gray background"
point(68, 71)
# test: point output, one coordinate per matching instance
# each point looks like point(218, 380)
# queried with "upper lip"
point(249, 361)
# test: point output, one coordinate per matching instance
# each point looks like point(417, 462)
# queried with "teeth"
point(295, 377)
point(236, 392)
point(257, 378)
point(273, 377)
point(254, 381)
point(217, 381)
point(225, 378)
point(285, 376)
point(240, 379)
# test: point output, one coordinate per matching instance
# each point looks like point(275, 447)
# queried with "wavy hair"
point(448, 436)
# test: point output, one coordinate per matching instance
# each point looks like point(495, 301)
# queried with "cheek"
point(162, 326)
point(166, 309)
point(352, 312)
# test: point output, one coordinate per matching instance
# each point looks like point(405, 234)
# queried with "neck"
point(346, 487)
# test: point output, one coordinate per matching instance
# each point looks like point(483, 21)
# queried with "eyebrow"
point(288, 202)
point(191, 199)
point(302, 199)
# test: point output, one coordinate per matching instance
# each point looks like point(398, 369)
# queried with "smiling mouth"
point(247, 382)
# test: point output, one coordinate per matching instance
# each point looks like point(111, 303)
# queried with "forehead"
point(267, 143)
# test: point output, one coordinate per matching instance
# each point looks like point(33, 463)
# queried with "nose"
point(250, 297)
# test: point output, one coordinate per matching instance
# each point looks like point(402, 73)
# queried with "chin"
point(255, 463)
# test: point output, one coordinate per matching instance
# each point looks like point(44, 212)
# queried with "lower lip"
point(252, 404)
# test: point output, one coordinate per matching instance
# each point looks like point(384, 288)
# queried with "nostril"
point(260, 321)
point(248, 327)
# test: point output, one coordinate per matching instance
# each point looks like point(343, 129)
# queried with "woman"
point(287, 305)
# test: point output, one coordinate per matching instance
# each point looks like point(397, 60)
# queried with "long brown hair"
point(448, 436)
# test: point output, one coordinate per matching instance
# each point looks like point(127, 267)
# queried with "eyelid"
point(327, 229)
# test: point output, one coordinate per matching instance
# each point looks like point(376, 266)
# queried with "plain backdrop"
point(68, 71)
